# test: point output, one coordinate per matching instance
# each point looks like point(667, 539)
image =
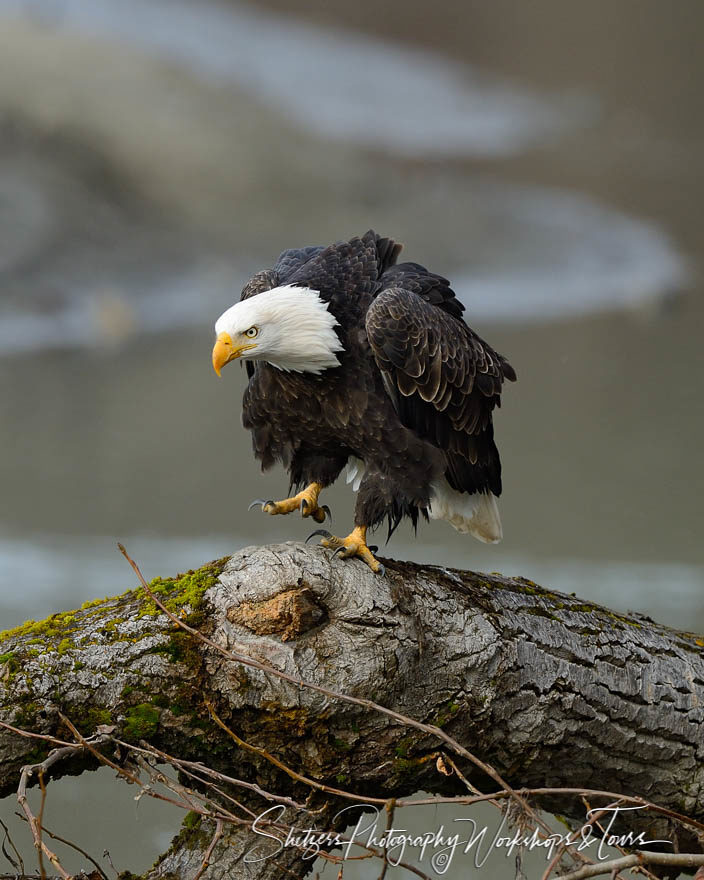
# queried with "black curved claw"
point(259, 501)
point(303, 505)
point(322, 532)
point(327, 511)
point(372, 548)
point(382, 570)
point(339, 550)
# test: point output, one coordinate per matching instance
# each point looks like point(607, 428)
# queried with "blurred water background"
point(546, 157)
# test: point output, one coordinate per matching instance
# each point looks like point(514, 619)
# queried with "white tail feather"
point(355, 472)
point(476, 514)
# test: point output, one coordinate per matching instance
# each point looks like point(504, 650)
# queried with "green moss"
point(26, 714)
point(405, 766)
point(10, 665)
point(538, 611)
point(523, 585)
point(29, 627)
point(179, 704)
point(36, 756)
point(58, 625)
point(93, 603)
point(192, 834)
point(88, 720)
point(184, 590)
point(141, 721)
point(446, 714)
point(192, 821)
point(403, 746)
point(176, 649)
point(590, 608)
point(343, 778)
point(178, 710)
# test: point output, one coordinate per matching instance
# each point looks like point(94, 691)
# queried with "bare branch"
point(209, 851)
point(27, 772)
point(19, 864)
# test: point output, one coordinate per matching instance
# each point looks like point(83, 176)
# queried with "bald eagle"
point(356, 361)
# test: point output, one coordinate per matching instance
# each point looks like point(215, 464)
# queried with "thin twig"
point(390, 810)
point(648, 806)
point(227, 816)
point(72, 845)
point(595, 820)
point(198, 767)
point(27, 771)
point(19, 864)
point(319, 786)
point(40, 816)
point(207, 783)
point(156, 776)
point(636, 800)
point(209, 851)
point(121, 771)
point(106, 855)
point(562, 849)
point(462, 800)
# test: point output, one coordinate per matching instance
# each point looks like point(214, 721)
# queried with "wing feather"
point(448, 379)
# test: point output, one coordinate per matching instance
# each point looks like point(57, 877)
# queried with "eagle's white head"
point(289, 327)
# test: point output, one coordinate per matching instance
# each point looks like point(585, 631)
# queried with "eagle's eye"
point(252, 332)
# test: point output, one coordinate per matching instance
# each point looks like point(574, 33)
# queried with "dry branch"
point(282, 675)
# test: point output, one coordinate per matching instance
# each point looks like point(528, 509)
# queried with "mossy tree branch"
point(550, 690)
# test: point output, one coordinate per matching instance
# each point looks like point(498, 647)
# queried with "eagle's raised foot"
point(355, 544)
point(316, 512)
point(306, 501)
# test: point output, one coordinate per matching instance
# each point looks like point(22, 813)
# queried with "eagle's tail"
point(476, 514)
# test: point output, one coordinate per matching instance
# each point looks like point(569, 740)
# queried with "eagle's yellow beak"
point(225, 351)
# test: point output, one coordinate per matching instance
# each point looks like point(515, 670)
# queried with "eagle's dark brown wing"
point(442, 378)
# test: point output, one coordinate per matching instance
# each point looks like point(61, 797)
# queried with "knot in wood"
point(288, 614)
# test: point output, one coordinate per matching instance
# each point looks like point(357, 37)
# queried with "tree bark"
point(552, 691)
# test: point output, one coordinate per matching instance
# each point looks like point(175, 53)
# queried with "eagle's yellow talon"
point(355, 544)
point(306, 501)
